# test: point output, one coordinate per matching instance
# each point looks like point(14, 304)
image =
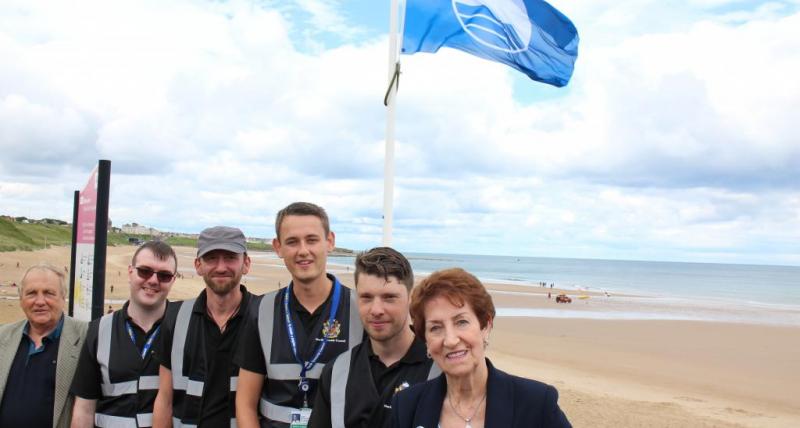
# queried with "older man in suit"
point(38, 355)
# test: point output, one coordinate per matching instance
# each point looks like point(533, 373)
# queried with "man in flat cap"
point(197, 377)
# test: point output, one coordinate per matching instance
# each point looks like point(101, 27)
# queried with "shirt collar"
point(202, 299)
point(54, 335)
point(415, 354)
point(297, 307)
point(130, 320)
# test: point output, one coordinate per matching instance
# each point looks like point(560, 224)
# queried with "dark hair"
point(459, 287)
point(160, 249)
point(385, 262)
point(302, 208)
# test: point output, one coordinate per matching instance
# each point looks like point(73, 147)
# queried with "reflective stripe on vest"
point(102, 420)
point(141, 420)
point(179, 381)
point(176, 423)
point(275, 412)
point(339, 375)
point(341, 368)
point(266, 318)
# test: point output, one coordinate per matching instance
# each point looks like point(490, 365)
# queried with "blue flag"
point(529, 35)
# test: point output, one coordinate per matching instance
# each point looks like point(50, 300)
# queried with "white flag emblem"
point(498, 24)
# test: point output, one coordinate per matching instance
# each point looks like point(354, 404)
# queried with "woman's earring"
point(485, 343)
point(428, 353)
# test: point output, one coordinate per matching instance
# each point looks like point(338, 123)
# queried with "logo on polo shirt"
point(330, 330)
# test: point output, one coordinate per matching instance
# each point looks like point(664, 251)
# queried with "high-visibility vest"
point(339, 377)
point(283, 371)
point(188, 387)
point(128, 400)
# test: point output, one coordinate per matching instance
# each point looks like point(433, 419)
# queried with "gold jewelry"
point(467, 420)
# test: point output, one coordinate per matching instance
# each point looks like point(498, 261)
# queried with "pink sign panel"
point(87, 208)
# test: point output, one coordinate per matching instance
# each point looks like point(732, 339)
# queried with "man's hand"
point(248, 392)
point(162, 408)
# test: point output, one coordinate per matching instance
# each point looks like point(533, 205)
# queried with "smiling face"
point(454, 336)
point(222, 270)
point(304, 247)
point(383, 306)
point(150, 292)
point(42, 299)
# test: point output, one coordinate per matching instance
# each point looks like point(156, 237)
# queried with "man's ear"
point(331, 241)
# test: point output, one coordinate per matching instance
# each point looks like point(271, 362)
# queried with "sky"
point(675, 140)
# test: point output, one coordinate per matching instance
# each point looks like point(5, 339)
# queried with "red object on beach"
point(563, 298)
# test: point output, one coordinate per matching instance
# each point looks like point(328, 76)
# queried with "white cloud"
point(665, 145)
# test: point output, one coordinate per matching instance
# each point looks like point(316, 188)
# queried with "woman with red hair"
point(453, 312)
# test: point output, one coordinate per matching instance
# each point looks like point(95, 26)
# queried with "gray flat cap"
point(221, 238)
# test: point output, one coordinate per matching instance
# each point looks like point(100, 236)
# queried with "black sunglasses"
point(146, 273)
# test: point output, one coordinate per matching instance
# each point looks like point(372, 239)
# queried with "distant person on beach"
point(197, 377)
point(117, 377)
point(454, 313)
point(297, 329)
point(38, 355)
point(356, 389)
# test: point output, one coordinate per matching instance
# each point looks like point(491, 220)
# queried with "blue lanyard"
point(308, 365)
point(148, 343)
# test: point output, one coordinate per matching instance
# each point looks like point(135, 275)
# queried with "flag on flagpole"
point(529, 35)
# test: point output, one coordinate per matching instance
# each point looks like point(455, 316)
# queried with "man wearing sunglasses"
point(198, 380)
point(117, 377)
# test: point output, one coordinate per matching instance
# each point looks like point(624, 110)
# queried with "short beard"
point(223, 289)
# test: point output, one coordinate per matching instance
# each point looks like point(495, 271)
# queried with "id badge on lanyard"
point(300, 418)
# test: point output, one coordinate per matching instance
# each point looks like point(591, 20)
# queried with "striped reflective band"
point(179, 381)
point(341, 369)
point(176, 423)
point(275, 412)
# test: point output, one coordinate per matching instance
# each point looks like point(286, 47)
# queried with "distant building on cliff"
point(138, 229)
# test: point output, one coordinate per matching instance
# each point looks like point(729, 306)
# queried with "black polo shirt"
point(217, 407)
point(370, 386)
point(88, 380)
point(29, 395)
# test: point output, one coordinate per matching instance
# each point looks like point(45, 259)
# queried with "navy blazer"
point(511, 401)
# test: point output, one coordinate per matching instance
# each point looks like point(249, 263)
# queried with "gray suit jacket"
point(69, 349)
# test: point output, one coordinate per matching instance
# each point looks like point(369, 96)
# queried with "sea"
point(637, 289)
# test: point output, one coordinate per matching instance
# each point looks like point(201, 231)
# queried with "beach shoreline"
point(610, 372)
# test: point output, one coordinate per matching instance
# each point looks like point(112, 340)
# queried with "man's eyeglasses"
point(146, 273)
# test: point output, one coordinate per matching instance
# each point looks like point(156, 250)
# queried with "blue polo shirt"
point(29, 395)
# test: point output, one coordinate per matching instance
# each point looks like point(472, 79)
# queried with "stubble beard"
point(224, 288)
point(390, 335)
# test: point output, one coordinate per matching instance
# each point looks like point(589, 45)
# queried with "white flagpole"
point(388, 167)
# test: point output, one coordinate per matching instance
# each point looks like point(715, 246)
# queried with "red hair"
point(456, 285)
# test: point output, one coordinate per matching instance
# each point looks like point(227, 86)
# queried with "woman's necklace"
point(467, 420)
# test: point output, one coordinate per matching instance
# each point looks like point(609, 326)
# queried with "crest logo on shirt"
point(330, 330)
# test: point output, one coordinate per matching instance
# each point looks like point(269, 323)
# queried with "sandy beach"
point(609, 372)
